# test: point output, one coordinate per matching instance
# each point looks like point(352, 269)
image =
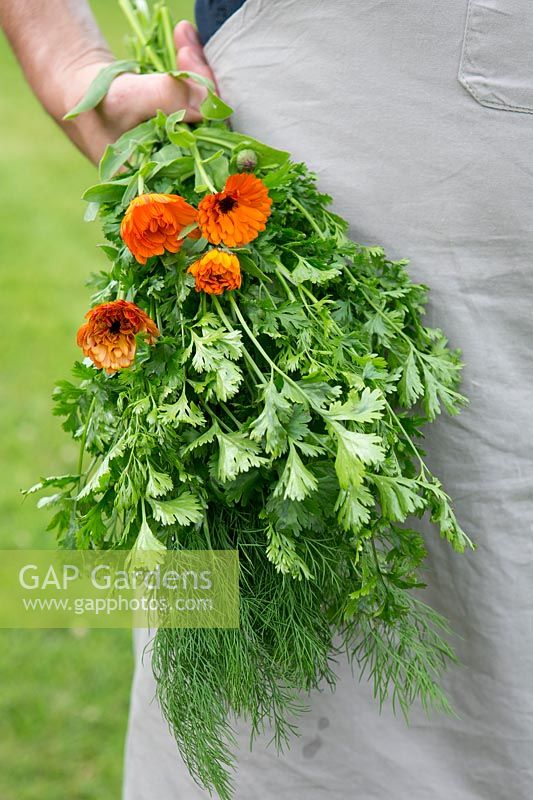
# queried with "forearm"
point(52, 39)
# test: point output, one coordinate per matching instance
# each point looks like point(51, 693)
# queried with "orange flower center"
point(227, 204)
point(115, 326)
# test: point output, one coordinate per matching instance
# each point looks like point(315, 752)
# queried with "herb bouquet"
point(254, 380)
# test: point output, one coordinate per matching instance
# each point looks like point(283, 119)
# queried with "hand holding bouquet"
point(255, 380)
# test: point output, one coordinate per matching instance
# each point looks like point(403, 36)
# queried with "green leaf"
point(437, 389)
point(159, 483)
point(110, 251)
point(353, 507)
point(184, 509)
point(269, 424)
point(354, 450)
point(58, 481)
point(214, 108)
point(168, 153)
point(50, 500)
point(218, 171)
point(116, 155)
point(147, 552)
point(268, 157)
point(237, 453)
point(212, 346)
point(176, 169)
point(91, 212)
point(384, 325)
point(365, 408)
point(241, 489)
point(248, 265)
point(227, 380)
point(398, 497)
point(200, 441)
point(296, 481)
point(410, 386)
point(281, 551)
point(183, 74)
point(305, 271)
point(100, 86)
point(182, 411)
point(314, 389)
point(366, 447)
point(99, 478)
point(178, 132)
point(442, 513)
point(110, 192)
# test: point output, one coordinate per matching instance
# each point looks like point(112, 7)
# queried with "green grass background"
point(63, 694)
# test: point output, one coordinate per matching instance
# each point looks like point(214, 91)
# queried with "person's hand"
point(133, 98)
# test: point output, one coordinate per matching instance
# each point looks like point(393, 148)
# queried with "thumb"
point(191, 57)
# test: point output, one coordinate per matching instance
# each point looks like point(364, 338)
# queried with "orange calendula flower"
point(238, 213)
point(108, 336)
point(153, 222)
point(216, 272)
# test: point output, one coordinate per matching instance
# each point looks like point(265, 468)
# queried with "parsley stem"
point(216, 418)
point(258, 346)
point(395, 327)
point(82, 452)
point(84, 435)
point(246, 354)
point(378, 568)
point(273, 365)
point(308, 216)
point(285, 285)
point(229, 413)
point(302, 289)
point(408, 439)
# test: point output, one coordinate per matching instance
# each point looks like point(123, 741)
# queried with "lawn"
point(64, 694)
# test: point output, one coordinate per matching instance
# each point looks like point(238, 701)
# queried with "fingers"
point(134, 98)
point(191, 57)
point(185, 35)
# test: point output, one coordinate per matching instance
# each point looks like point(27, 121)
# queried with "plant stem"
point(135, 25)
point(253, 339)
point(230, 327)
point(272, 364)
point(169, 39)
point(290, 293)
point(215, 417)
point(212, 138)
point(229, 413)
point(84, 437)
point(198, 161)
point(308, 216)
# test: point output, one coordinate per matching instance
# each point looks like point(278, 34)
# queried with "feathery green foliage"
point(283, 420)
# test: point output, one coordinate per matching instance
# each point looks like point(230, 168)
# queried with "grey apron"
point(418, 118)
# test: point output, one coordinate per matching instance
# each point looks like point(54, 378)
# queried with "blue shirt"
point(212, 14)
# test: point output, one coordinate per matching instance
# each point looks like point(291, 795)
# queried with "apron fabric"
point(418, 119)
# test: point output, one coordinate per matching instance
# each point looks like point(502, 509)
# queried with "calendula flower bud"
point(216, 272)
point(246, 160)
